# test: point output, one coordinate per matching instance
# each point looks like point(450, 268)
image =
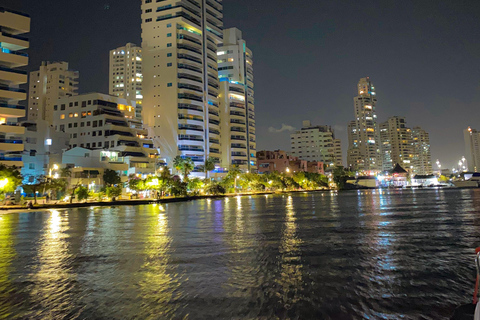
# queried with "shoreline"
point(136, 202)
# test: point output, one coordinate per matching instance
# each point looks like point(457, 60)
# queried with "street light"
point(288, 170)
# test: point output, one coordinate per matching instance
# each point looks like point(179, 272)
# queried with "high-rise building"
point(422, 159)
point(396, 144)
point(316, 143)
point(125, 77)
point(472, 149)
point(100, 121)
point(52, 81)
point(180, 77)
point(12, 56)
point(363, 143)
point(236, 99)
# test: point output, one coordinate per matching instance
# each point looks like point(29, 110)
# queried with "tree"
point(39, 183)
point(184, 166)
point(66, 172)
point(178, 188)
point(209, 165)
point(58, 186)
point(74, 188)
point(10, 179)
point(215, 188)
point(82, 193)
point(113, 191)
point(340, 176)
point(194, 185)
point(111, 178)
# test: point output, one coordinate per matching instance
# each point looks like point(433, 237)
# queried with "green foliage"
point(178, 188)
point(136, 184)
point(82, 193)
point(13, 179)
point(184, 166)
point(111, 178)
point(195, 185)
point(113, 191)
point(209, 165)
point(215, 188)
point(65, 172)
point(340, 177)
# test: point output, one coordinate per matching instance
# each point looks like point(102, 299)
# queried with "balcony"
point(7, 93)
point(13, 42)
point(13, 160)
point(15, 130)
point(11, 111)
point(14, 22)
point(13, 59)
point(11, 145)
point(12, 77)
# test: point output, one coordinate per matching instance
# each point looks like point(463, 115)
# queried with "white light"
point(48, 142)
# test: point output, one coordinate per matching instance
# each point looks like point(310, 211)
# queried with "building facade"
point(472, 149)
point(12, 56)
point(236, 99)
point(125, 76)
point(363, 146)
point(180, 70)
point(396, 144)
point(316, 143)
point(422, 158)
point(98, 121)
point(52, 81)
point(282, 162)
point(43, 148)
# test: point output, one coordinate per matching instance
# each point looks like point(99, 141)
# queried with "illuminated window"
point(70, 115)
point(62, 116)
point(75, 115)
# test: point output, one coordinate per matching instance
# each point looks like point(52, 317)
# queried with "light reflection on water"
point(351, 255)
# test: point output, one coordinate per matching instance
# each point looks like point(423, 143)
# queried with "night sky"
point(422, 56)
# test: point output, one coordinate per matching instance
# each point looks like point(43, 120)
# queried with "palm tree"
point(183, 165)
point(209, 165)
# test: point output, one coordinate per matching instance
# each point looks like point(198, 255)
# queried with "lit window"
point(70, 115)
point(75, 115)
point(62, 116)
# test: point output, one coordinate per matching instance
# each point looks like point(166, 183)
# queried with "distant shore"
point(134, 202)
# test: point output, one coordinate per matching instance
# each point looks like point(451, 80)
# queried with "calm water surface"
point(353, 255)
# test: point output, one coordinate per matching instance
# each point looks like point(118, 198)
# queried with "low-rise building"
point(281, 161)
point(88, 166)
point(99, 121)
point(43, 149)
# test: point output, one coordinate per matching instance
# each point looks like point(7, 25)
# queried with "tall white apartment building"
point(396, 144)
point(422, 159)
point(472, 149)
point(52, 81)
point(363, 143)
point(12, 56)
point(180, 72)
point(236, 99)
point(125, 76)
point(316, 143)
point(100, 121)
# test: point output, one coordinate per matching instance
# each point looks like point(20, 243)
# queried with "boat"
point(471, 311)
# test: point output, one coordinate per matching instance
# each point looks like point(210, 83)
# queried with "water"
point(353, 255)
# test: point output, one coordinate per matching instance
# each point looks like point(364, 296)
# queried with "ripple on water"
point(349, 255)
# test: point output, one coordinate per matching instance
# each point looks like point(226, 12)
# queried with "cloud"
point(284, 127)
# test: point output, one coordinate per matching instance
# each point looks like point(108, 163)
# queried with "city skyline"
point(419, 58)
